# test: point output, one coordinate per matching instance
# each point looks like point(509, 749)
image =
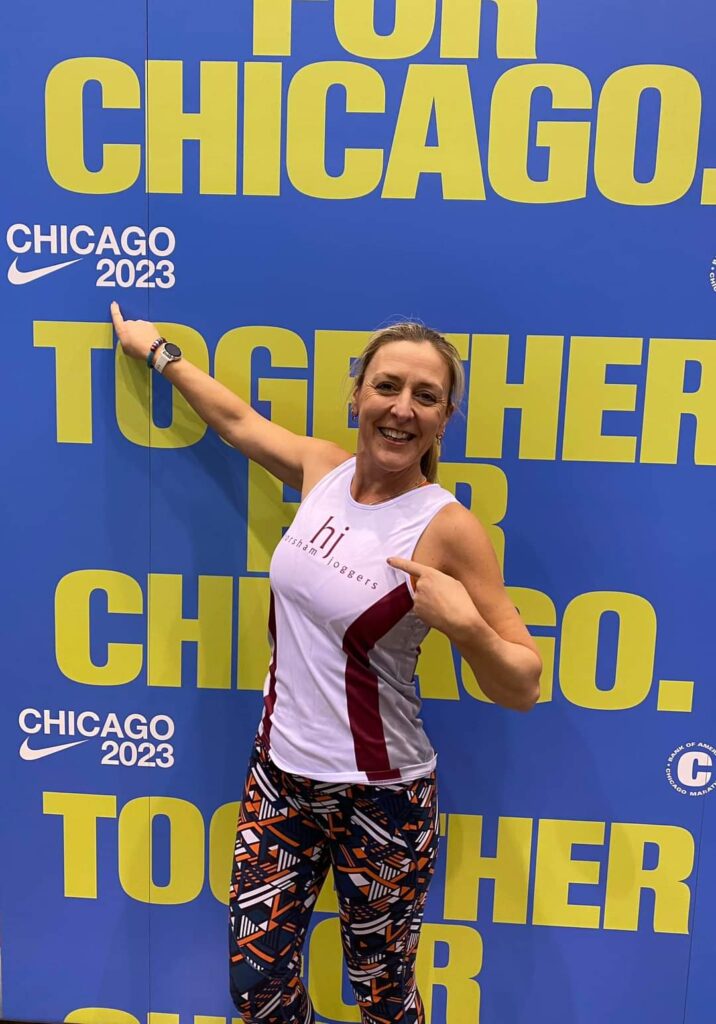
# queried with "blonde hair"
point(413, 331)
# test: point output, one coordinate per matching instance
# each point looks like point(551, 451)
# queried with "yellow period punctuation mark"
point(675, 695)
point(708, 187)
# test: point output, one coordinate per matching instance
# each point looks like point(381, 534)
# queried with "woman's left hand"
point(441, 601)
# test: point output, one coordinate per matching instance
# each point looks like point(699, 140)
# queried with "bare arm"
point(461, 592)
point(290, 457)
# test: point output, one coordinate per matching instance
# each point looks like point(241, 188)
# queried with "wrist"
point(152, 349)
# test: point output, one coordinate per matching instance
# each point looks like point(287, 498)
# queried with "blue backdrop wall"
point(269, 182)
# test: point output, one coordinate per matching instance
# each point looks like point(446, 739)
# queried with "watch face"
point(173, 351)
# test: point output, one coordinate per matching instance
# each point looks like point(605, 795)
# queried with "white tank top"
point(339, 698)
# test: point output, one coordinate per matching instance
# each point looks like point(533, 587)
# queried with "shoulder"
point(456, 542)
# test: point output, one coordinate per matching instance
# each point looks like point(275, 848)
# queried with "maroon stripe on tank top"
point(362, 692)
point(270, 698)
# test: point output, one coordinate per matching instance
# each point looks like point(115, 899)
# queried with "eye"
point(426, 397)
point(385, 386)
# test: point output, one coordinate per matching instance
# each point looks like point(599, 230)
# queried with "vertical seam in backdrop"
point(694, 906)
point(150, 383)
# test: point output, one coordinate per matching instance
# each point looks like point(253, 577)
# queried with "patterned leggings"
point(381, 842)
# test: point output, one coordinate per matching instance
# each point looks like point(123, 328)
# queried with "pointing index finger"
point(416, 569)
point(117, 318)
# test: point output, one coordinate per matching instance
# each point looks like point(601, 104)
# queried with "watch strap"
point(165, 356)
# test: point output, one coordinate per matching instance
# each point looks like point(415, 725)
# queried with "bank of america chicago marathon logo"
point(691, 768)
point(128, 257)
point(127, 741)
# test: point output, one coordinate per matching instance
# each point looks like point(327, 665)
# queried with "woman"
point(342, 773)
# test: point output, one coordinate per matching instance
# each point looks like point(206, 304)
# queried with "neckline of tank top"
point(385, 501)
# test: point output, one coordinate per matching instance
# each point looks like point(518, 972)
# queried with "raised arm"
point(291, 457)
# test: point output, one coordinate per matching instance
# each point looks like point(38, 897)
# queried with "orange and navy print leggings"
point(381, 842)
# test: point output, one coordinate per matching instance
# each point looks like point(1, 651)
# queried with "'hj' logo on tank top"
point(323, 544)
point(330, 531)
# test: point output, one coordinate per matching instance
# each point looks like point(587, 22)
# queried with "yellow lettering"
point(444, 90)
point(100, 1015)
point(272, 28)
point(268, 516)
point(233, 363)
point(104, 1015)
point(73, 344)
point(64, 125)
point(510, 868)
point(555, 871)
point(627, 877)
point(168, 628)
point(567, 141)
point(457, 977)
point(634, 656)
point(677, 141)
point(254, 651)
point(186, 850)
point(537, 609)
point(488, 496)
point(306, 130)
point(327, 902)
point(516, 29)
point(708, 187)
point(214, 126)
point(355, 28)
point(332, 384)
point(79, 813)
point(262, 129)
point(73, 627)
point(268, 513)
point(667, 401)
point(537, 397)
point(222, 832)
point(589, 396)
point(135, 395)
point(437, 679)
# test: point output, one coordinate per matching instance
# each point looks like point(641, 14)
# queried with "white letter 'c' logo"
point(687, 769)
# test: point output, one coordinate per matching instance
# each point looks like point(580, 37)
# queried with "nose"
point(403, 404)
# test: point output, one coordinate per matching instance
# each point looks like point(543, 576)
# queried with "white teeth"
point(397, 435)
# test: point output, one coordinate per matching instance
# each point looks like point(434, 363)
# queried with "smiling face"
point(402, 404)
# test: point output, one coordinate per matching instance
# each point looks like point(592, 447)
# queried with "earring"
point(439, 438)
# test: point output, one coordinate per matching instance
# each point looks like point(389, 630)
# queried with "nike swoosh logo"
point(27, 753)
point(16, 276)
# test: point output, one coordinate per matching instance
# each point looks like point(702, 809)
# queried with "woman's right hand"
point(135, 336)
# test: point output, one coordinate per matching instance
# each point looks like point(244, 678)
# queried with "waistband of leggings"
point(261, 750)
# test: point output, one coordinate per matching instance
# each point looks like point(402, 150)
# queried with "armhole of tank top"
point(448, 500)
point(327, 478)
